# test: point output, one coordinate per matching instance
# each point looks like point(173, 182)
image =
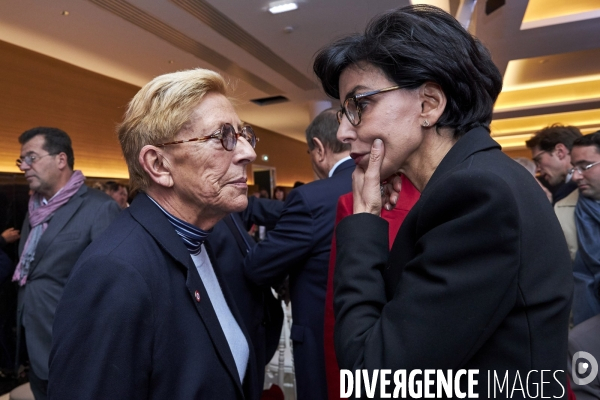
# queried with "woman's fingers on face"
point(358, 177)
point(368, 196)
point(395, 186)
point(373, 171)
point(397, 183)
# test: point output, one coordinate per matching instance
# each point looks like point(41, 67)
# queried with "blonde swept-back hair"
point(159, 111)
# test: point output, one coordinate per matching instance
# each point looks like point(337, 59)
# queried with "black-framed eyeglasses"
point(31, 159)
point(226, 134)
point(581, 170)
point(352, 108)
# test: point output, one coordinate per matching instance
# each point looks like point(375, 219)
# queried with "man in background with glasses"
point(300, 245)
point(585, 158)
point(64, 217)
point(584, 337)
point(551, 153)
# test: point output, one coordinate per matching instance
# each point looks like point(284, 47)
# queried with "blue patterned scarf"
point(586, 268)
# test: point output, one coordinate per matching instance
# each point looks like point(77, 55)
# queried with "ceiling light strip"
point(561, 19)
point(281, 8)
point(580, 105)
point(227, 28)
point(151, 24)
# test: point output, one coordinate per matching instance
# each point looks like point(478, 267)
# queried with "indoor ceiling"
point(548, 50)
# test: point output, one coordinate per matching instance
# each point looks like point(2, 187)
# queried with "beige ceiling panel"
point(513, 132)
point(588, 119)
point(552, 69)
point(226, 27)
point(546, 9)
point(545, 95)
point(153, 25)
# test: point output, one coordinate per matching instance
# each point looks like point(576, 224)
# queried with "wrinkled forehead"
point(212, 113)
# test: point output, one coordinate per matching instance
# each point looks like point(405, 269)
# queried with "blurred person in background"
point(551, 153)
point(279, 193)
point(585, 158)
point(531, 167)
point(64, 217)
point(118, 192)
point(299, 246)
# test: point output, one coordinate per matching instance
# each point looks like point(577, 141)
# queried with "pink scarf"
point(39, 215)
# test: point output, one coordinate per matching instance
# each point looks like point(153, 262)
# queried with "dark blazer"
point(135, 320)
point(478, 277)
point(261, 312)
point(299, 246)
point(72, 228)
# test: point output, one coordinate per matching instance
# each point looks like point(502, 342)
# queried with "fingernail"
point(377, 144)
point(388, 207)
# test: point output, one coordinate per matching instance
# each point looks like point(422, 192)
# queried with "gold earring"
point(426, 123)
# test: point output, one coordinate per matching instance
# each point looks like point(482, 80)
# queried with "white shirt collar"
point(44, 201)
point(337, 164)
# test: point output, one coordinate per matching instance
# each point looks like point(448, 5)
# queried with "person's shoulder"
point(96, 196)
point(468, 177)
point(124, 238)
point(324, 191)
point(569, 201)
point(496, 166)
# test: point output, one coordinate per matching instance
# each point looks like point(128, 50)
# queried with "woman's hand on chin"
point(366, 185)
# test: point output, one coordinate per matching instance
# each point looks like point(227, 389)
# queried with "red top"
point(408, 197)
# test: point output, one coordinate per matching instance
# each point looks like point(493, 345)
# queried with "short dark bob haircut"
point(417, 44)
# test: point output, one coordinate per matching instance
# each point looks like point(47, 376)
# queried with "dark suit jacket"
point(260, 311)
point(72, 228)
point(299, 246)
point(135, 320)
point(478, 277)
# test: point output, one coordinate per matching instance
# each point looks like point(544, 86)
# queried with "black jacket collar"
point(154, 221)
point(474, 141)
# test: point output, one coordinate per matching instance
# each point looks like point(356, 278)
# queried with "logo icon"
point(578, 369)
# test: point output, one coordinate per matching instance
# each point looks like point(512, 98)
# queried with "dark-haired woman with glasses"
point(147, 313)
point(479, 274)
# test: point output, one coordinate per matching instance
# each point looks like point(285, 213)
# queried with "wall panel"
point(287, 155)
point(41, 91)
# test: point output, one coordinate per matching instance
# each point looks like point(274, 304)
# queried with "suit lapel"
point(474, 141)
point(55, 225)
point(157, 224)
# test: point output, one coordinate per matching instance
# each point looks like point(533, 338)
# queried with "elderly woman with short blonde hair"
point(146, 313)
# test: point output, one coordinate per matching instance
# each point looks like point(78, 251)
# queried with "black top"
point(479, 276)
